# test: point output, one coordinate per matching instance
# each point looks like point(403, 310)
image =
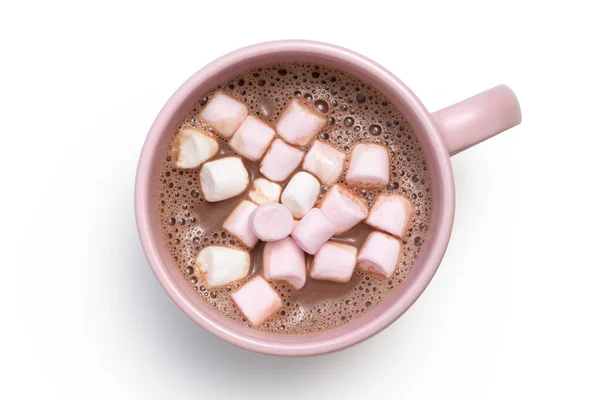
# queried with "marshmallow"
point(237, 223)
point(224, 113)
point(222, 265)
point(343, 208)
point(379, 254)
point(264, 191)
point(223, 179)
point(391, 213)
point(252, 138)
point(281, 160)
point(271, 222)
point(313, 230)
point(285, 261)
point(192, 147)
point(257, 300)
point(298, 123)
point(325, 162)
point(300, 193)
point(334, 262)
point(369, 166)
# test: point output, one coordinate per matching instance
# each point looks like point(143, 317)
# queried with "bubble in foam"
point(375, 130)
point(266, 107)
point(322, 106)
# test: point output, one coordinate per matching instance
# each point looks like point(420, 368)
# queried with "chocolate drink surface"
point(357, 113)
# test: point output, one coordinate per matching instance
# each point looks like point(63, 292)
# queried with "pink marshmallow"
point(325, 162)
point(313, 230)
point(257, 300)
point(369, 166)
point(281, 160)
point(391, 213)
point(334, 262)
point(224, 113)
point(252, 138)
point(237, 223)
point(380, 254)
point(271, 222)
point(285, 261)
point(343, 208)
point(298, 124)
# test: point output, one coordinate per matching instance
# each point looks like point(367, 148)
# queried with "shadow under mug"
point(440, 134)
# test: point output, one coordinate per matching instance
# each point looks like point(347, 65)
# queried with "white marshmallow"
point(222, 265)
point(325, 162)
point(281, 160)
point(391, 213)
point(224, 113)
point(192, 147)
point(343, 208)
point(257, 300)
point(237, 223)
point(285, 261)
point(334, 262)
point(223, 179)
point(298, 124)
point(369, 166)
point(252, 138)
point(265, 191)
point(300, 193)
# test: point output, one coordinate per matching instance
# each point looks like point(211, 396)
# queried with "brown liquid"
point(357, 113)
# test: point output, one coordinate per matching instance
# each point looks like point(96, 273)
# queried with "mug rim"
point(445, 187)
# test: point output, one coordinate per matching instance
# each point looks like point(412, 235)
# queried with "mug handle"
point(478, 118)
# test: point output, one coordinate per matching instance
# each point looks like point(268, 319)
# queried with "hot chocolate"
point(356, 114)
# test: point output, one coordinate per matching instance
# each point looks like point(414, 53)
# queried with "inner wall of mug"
point(200, 309)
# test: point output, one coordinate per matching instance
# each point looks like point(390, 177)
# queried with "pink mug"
point(441, 134)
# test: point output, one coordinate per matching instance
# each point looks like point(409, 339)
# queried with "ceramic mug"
point(440, 134)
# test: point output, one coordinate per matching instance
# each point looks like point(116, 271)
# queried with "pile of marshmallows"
point(293, 227)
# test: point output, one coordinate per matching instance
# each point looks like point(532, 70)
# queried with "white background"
point(513, 311)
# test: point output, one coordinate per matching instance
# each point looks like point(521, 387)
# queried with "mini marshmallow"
point(391, 213)
point(264, 191)
point(257, 300)
point(369, 166)
point(300, 193)
point(192, 147)
point(222, 265)
point(252, 138)
point(281, 160)
point(379, 254)
point(343, 208)
point(313, 230)
point(224, 113)
point(325, 162)
point(271, 222)
point(334, 262)
point(298, 124)
point(237, 223)
point(223, 179)
point(285, 261)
